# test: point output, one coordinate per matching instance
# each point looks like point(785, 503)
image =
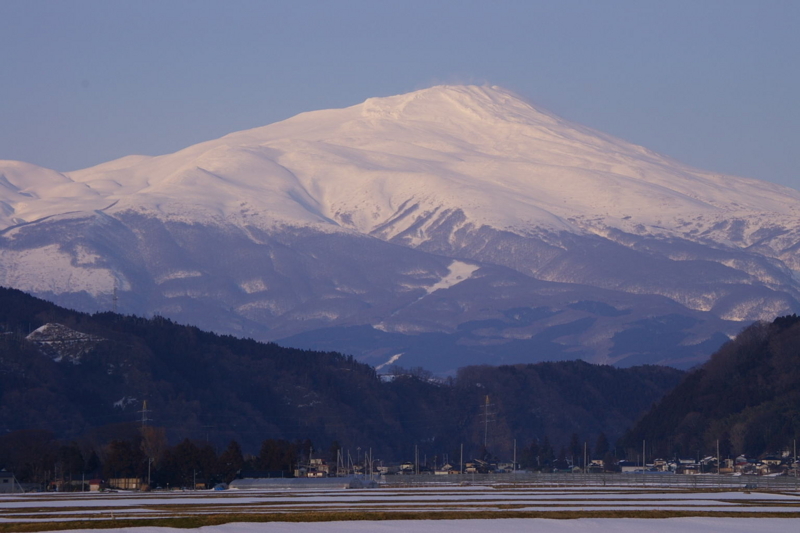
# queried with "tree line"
point(37, 457)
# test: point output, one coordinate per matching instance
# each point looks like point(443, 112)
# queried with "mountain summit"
point(423, 220)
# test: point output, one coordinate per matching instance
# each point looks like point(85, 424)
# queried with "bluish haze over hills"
point(712, 84)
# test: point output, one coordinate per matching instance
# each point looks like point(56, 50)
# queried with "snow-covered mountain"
point(447, 226)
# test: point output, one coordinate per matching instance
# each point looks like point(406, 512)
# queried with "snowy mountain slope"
point(350, 217)
point(480, 150)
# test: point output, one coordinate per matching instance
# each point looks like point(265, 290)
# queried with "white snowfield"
point(403, 164)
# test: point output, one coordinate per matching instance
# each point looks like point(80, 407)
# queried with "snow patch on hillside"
point(253, 286)
point(62, 343)
point(392, 360)
point(48, 269)
point(177, 274)
point(124, 402)
point(457, 272)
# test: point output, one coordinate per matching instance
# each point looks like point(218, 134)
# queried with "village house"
point(661, 465)
point(596, 466)
point(445, 470)
point(727, 466)
point(407, 468)
point(504, 468)
point(477, 466)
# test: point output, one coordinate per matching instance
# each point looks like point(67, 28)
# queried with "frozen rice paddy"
point(525, 508)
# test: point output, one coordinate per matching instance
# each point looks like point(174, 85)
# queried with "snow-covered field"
point(511, 525)
point(505, 502)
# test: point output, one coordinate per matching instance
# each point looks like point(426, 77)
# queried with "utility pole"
point(145, 436)
point(644, 462)
point(514, 468)
point(15, 480)
point(718, 457)
point(585, 459)
point(462, 459)
point(486, 421)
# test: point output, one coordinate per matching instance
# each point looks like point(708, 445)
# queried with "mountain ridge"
point(237, 233)
point(200, 384)
point(181, 166)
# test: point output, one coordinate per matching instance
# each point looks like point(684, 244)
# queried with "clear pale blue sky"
point(712, 83)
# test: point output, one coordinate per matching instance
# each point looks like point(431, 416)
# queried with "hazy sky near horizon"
point(713, 83)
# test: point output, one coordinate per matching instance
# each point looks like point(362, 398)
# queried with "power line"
point(144, 410)
point(487, 417)
point(114, 297)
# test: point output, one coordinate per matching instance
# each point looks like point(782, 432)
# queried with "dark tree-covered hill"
point(747, 396)
point(89, 375)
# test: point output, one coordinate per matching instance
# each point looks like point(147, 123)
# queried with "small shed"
point(8, 483)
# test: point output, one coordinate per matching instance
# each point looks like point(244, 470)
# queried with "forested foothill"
point(746, 399)
point(73, 398)
point(87, 389)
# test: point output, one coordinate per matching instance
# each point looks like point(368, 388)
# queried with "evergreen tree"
point(182, 464)
point(601, 447)
point(123, 459)
point(576, 450)
point(561, 462)
point(230, 462)
point(70, 460)
point(546, 453)
point(610, 463)
point(93, 465)
point(279, 455)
